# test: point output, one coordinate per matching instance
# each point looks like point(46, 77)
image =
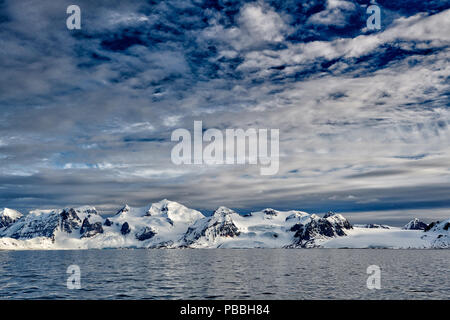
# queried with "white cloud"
point(336, 14)
point(258, 24)
point(262, 24)
point(432, 30)
point(136, 127)
point(172, 121)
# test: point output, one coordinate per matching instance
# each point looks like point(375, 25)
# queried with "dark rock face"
point(220, 224)
point(224, 229)
point(439, 234)
point(145, 234)
point(91, 211)
point(90, 229)
point(170, 221)
point(125, 229)
point(125, 209)
point(343, 224)
point(431, 225)
point(419, 226)
point(32, 226)
point(322, 227)
point(415, 224)
point(306, 234)
point(374, 226)
point(270, 212)
point(108, 223)
point(329, 214)
point(217, 229)
point(337, 220)
point(165, 208)
point(69, 220)
point(6, 222)
point(445, 226)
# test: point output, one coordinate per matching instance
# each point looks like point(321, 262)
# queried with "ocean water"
point(225, 274)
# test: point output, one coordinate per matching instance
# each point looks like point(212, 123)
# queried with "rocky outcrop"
point(69, 220)
point(270, 212)
point(45, 223)
point(438, 233)
point(209, 229)
point(309, 234)
point(8, 217)
point(415, 224)
point(125, 209)
point(443, 227)
point(145, 234)
point(372, 226)
point(35, 224)
point(125, 229)
point(329, 214)
point(89, 230)
point(338, 220)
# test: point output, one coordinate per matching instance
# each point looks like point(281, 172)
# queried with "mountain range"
point(168, 224)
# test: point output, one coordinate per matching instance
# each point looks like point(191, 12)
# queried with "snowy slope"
point(263, 229)
point(319, 230)
point(48, 223)
point(168, 224)
point(438, 236)
point(438, 233)
point(158, 225)
point(393, 238)
point(8, 217)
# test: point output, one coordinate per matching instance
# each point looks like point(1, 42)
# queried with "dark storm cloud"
point(87, 115)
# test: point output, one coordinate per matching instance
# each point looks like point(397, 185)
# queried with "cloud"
point(87, 115)
point(258, 25)
point(337, 14)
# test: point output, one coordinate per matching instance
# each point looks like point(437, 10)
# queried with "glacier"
point(168, 224)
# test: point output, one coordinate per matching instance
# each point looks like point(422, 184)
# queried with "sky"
point(86, 116)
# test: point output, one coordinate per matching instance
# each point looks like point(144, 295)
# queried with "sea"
point(267, 274)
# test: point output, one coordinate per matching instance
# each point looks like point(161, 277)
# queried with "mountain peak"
point(163, 206)
point(415, 224)
point(223, 211)
point(8, 217)
point(124, 209)
point(174, 211)
point(10, 213)
point(329, 214)
point(270, 212)
point(87, 209)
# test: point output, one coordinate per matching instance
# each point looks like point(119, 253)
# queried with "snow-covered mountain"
point(415, 224)
point(438, 233)
point(318, 230)
point(168, 224)
point(8, 217)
